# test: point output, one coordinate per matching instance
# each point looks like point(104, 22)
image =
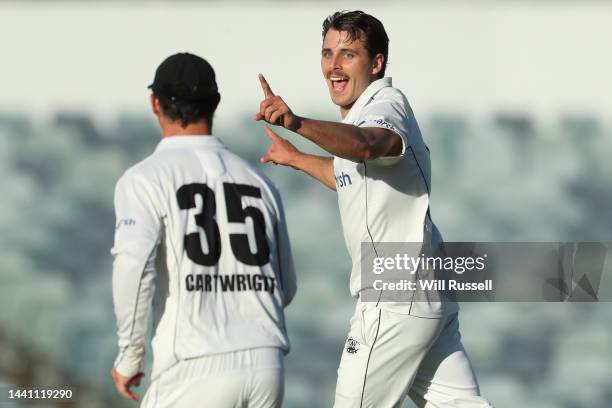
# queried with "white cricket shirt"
point(387, 199)
point(201, 236)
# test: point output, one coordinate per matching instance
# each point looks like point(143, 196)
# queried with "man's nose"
point(337, 62)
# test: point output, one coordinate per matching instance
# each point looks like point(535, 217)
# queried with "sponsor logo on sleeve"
point(378, 122)
point(125, 222)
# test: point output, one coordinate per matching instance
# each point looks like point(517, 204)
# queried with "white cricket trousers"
point(389, 356)
point(251, 378)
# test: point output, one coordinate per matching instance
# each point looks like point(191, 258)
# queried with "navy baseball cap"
point(185, 77)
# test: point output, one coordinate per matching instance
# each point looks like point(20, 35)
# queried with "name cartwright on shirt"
point(432, 284)
point(230, 283)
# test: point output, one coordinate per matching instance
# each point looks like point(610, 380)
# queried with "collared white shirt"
point(387, 199)
point(201, 235)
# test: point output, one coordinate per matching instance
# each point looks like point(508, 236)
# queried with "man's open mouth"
point(338, 83)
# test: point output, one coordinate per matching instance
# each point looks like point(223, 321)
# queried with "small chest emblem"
point(352, 346)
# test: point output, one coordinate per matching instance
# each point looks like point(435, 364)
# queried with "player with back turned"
point(202, 237)
point(380, 168)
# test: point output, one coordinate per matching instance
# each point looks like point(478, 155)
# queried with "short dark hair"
point(189, 112)
point(362, 26)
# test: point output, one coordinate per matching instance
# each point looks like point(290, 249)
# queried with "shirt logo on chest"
point(352, 346)
point(343, 180)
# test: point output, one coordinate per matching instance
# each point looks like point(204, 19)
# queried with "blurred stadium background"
point(513, 98)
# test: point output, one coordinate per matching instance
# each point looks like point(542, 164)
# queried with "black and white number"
point(236, 213)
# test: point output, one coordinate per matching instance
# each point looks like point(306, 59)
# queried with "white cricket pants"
point(241, 379)
point(389, 356)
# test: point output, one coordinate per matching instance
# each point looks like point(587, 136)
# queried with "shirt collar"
point(365, 97)
point(189, 142)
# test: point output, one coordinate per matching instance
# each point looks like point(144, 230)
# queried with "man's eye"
point(348, 55)
point(325, 54)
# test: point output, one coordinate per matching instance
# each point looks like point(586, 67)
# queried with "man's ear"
point(377, 64)
point(155, 105)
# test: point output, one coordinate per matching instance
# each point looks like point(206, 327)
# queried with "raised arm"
point(349, 141)
point(342, 140)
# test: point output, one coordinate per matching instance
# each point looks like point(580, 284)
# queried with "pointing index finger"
point(264, 85)
point(273, 136)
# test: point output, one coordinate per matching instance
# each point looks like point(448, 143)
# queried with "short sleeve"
point(386, 114)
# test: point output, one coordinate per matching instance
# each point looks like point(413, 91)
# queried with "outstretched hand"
point(274, 110)
point(280, 151)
